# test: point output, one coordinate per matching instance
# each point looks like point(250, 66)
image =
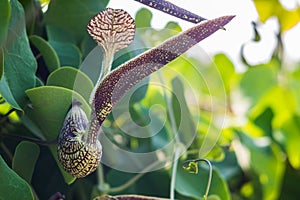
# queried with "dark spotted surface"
point(120, 80)
point(77, 156)
point(171, 9)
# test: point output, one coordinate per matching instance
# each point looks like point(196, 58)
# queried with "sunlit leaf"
point(266, 160)
point(256, 82)
point(287, 18)
point(226, 69)
point(290, 139)
point(186, 126)
point(143, 18)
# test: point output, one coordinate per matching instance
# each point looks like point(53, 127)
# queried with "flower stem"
point(177, 141)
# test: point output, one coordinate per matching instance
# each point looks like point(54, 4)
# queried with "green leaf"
point(13, 186)
point(31, 13)
point(50, 57)
point(25, 158)
point(68, 53)
point(7, 94)
point(1, 63)
point(194, 185)
point(291, 140)
point(184, 120)
point(287, 18)
point(266, 161)
point(69, 18)
point(50, 105)
point(290, 187)
point(4, 21)
point(256, 82)
point(143, 18)
point(73, 79)
point(31, 126)
point(226, 69)
point(19, 62)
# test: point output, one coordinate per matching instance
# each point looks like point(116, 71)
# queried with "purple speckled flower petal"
point(172, 9)
point(120, 80)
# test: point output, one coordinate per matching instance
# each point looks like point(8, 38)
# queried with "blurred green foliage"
point(246, 123)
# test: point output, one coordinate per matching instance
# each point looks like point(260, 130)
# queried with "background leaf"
point(69, 18)
point(287, 18)
point(46, 50)
point(68, 53)
point(4, 21)
point(25, 157)
point(11, 185)
point(194, 185)
point(73, 79)
point(17, 53)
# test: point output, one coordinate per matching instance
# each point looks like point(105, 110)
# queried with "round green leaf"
point(50, 57)
point(73, 79)
point(25, 157)
point(13, 186)
point(68, 53)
